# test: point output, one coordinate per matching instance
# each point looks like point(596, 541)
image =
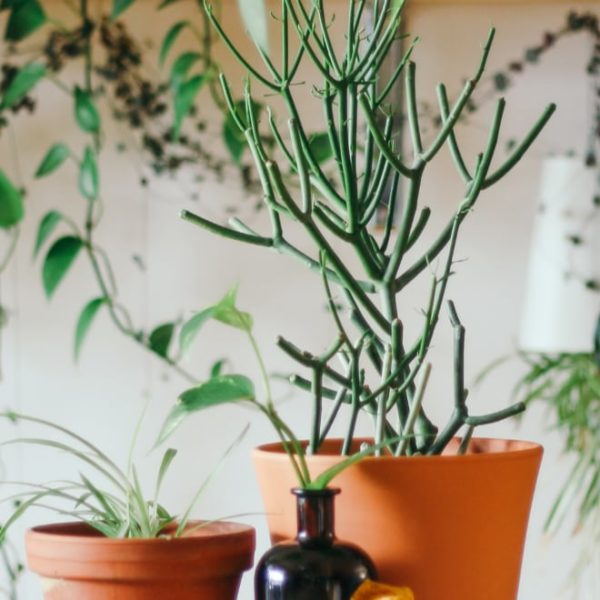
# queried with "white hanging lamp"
point(562, 297)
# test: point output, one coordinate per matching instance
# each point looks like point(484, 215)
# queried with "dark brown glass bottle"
point(315, 566)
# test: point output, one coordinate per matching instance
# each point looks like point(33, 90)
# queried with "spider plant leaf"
point(47, 225)
point(84, 322)
point(101, 499)
point(56, 156)
point(58, 260)
point(22, 83)
point(165, 463)
point(186, 516)
point(12, 208)
point(86, 113)
point(326, 477)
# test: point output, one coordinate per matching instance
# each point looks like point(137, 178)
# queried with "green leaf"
point(85, 320)
point(22, 83)
point(185, 95)
point(88, 175)
point(254, 16)
point(217, 367)
point(167, 459)
point(86, 113)
point(55, 157)
point(320, 147)
point(170, 38)
point(47, 225)
point(222, 389)
point(160, 339)
point(235, 140)
point(182, 65)
point(60, 257)
point(26, 16)
point(166, 3)
point(225, 311)
point(119, 7)
point(12, 209)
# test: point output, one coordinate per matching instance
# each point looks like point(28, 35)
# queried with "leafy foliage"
point(84, 322)
point(569, 385)
point(26, 16)
point(58, 260)
point(55, 157)
point(12, 209)
point(45, 229)
point(117, 507)
point(23, 82)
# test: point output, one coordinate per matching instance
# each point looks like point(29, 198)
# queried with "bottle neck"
point(315, 511)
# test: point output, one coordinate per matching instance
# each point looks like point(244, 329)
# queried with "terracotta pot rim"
point(84, 533)
point(519, 449)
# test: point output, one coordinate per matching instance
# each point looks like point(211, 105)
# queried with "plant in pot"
point(429, 504)
point(122, 543)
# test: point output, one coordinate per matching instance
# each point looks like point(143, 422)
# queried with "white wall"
point(188, 268)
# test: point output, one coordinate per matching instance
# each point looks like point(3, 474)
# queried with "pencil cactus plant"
point(380, 366)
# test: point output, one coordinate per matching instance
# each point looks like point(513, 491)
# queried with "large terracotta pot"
point(450, 527)
point(77, 563)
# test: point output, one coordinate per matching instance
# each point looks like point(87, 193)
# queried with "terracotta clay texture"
point(75, 562)
point(448, 527)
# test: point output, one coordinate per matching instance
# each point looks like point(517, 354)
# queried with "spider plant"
point(109, 499)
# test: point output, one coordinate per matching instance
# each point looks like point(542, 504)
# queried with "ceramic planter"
point(449, 527)
point(77, 563)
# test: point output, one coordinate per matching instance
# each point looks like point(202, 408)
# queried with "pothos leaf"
point(22, 83)
point(12, 209)
point(169, 39)
point(86, 113)
point(224, 311)
point(85, 320)
point(88, 175)
point(58, 260)
point(160, 338)
point(254, 15)
point(119, 7)
point(222, 389)
point(55, 157)
point(47, 225)
point(185, 95)
point(25, 17)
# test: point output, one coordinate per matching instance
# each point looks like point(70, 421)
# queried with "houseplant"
point(379, 366)
point(123, 544)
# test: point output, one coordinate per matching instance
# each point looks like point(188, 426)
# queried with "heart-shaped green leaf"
point(60, 257)
point(160, 339)
point(320, 147)
point(85, 320)
point(47, 225)
point(222, 389)
point(88, 175)
point(185, 95)
point(170, 38)
point(25, 17)
point(86, 113)
point(12, 209)
point(22, 83)
point(119, 7)
point(55, 157)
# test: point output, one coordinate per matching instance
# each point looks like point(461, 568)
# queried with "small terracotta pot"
point(75, 563)
point(449, 527)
